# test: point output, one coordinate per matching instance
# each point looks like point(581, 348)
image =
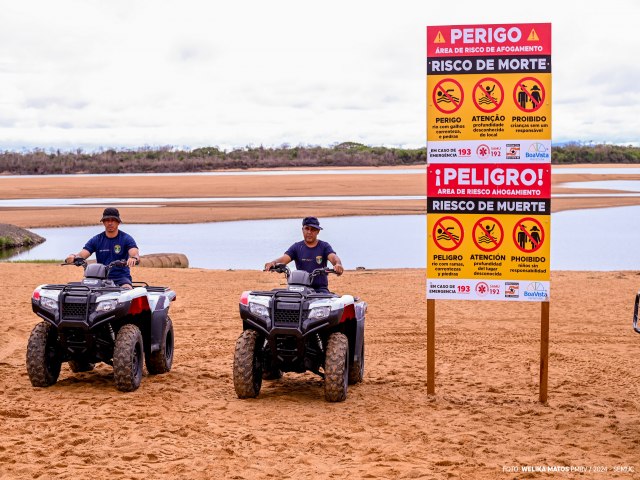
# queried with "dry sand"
point(483, 420)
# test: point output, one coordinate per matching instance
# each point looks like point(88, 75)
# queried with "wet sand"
point(144, 187)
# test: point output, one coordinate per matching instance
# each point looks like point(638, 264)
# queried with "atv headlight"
point(106, 305)
point(319, 313)
point(259, 310)
point(49, 303)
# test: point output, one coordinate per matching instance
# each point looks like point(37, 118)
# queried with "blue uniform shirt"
point(109, 249)
point(308, 259)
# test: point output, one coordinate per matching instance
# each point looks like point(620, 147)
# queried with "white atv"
point(96, 321)
point(296, 329)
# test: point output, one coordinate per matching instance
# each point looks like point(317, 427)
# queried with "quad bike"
point(297, 329)
point(96, 321)
point(636, 327)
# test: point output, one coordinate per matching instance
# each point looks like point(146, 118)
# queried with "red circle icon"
point(488, 95)
point(448, 233)
point(448, 95)
point(528, 235)
point(488, 234)
point(529, 94)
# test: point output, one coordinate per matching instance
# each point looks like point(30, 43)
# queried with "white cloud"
point(130, 73)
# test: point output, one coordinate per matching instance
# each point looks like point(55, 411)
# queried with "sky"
point(104, 74)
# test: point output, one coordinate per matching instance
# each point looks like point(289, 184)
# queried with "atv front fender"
point(635, 314)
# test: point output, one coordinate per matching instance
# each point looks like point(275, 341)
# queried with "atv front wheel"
point(161, 361)
point(128, 357)
point(336, 368)
point(81, 366)
point(356, 369)
point(247, 365)
point(43, 360)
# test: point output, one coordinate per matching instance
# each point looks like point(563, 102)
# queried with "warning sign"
point(448, 233)
point(488, 234)
point(489, 161)
point(488, 95)
point(529, 94)
point(528, 235)
point(448, 95)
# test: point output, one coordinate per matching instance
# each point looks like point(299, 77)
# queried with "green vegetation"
point(34, 261)
point(347, 154)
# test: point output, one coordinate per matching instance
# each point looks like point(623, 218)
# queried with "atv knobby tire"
point(77, 366)
point(356, 369)
point(336, 368)
point(161, 361)
point(247, 365)
point(128, 358)
point(43, 360)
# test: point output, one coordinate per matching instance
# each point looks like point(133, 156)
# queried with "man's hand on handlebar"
point(269, 266)
point(132, 261)
point(339, 269)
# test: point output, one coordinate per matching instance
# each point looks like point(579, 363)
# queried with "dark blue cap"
point(311, 222)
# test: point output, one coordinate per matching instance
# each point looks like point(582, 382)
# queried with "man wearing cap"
point(112, 244)
point(310, 254)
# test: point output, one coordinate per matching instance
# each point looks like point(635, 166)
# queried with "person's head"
point(310, 229)
point(111, 220)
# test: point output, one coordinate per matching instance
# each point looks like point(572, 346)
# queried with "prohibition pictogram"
point(528, 234)
point(485, 95)
point(448, 95)
point(448, 233)
point(488, 234)
point(529, 94)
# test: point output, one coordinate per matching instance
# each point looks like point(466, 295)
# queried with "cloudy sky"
point(112, 73)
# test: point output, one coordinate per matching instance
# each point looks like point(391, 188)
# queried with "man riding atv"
point(310, 254)
point(112, 245)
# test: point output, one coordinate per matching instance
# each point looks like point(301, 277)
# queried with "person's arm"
point(283, 259)
point(84, 253)
point(336, 262)
point(134, 257)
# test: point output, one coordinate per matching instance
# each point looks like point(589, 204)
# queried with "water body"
point(226, 173)
point(625, 185)
point(140, 202)
point(596, 239)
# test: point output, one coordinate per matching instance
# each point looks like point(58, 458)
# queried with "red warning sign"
point(488, 234)
point(528, 234)
point(488, 95)
point(448, 95)
point(448, 233)
point(529, 94)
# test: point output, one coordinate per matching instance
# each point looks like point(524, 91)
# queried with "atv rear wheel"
point(336, 368)
point(161, 361)
point(247, 365)
point(128, 357)
point(356, 369)
point(43, 360)
point(81, 366)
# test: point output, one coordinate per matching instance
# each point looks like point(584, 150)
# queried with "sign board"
point(489, 162)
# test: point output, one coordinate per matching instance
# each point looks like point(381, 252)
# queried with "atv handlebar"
point(282, 268)
point(81, 262)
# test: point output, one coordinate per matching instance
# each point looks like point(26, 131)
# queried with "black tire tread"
point(247, 380)
point(159, 362)
point(337, 355)
point(41, 373)
point(126, 378)
point(356, 369)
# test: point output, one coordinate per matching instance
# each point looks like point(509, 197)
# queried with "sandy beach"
point(484, 421)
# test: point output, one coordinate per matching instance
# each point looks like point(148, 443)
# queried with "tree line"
point(347, 154)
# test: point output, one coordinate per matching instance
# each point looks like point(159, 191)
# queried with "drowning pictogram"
point(488, 95)
point(528, 234)
point(488, 234)
point(529, 94)
point(448, 95)
point(448, 233)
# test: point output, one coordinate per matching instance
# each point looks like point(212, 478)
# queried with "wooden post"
point(544, 350)
point(431, 346)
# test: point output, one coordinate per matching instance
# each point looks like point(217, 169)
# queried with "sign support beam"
point(544, 350)
point(431, 346)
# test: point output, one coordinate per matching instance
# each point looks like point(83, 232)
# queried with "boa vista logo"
point(536, 290)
